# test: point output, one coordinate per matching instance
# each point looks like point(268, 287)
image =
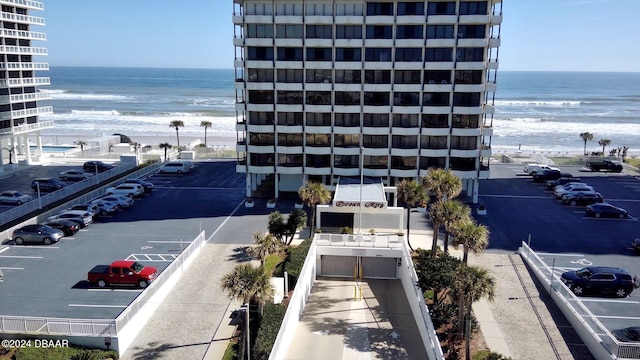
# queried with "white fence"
point(392, 241)
point(57, 326)
point(592, 332)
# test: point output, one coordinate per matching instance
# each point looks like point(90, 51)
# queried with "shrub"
point(269, 326)
point(489, 355)
point(63, 353)
point(296, 258)
point(346, 230)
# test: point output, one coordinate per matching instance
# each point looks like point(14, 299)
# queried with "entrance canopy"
point(349, 193)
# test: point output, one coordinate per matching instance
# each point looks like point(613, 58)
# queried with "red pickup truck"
point(122, 272)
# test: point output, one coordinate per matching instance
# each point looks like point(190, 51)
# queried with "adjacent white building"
point(327, 87)
point(19, 94)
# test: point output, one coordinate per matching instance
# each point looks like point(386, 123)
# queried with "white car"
point(121, 201)
point(106, 207)
point(129, 190)
point(83, 218)
point(572, 183)
point(74, 175)
point(14, 197)
point(533, 168)
point(174, 167)
point(565, 189)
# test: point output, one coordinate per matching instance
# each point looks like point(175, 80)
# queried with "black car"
point(561, 181)
point(549, 174)
point(629, 334)
point(96, 166)
point(582, 198)
point(47, 184)
point(148, 187)
point(68, 227)
point(606, 210)
point(599, 280)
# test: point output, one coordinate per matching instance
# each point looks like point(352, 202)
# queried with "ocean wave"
point(64, 95)
point(553, 103)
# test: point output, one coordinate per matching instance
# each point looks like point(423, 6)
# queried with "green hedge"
point(63, 353)
point(268, 331)
point(296, 259)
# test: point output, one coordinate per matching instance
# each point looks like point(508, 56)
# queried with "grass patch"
point(271, 262)
point(60, 353)
point(633, 162)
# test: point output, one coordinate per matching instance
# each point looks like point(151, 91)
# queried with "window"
point(405, 141)
point(441, 8)
point(471, 31)
point(289, 54)
point(319, 76)
point(464, 142)
point(377, 76)
point(409, 54)
point(258, 9)
point(466, 99)
point(286, 139)
point(319, 9)
point(432, 162)
point(435, 120)
point(290, 118)
point(406, 99)
point(318, 119)
point(261, 117)
point(375, 141)
point(261, 159)
point(410, 8)
point(348, 119)
point(348, 77)
point(405, 120)
point(347, 98)
point(375, 162)
point(259, 31)
point(466, 121)
point(319, 32)
point(348, 32)
point(376, 98)
point(377, 54)
point(318, 54)
point(346, 140)
point(379, 32)
point(470, 54)
point(376, 9)
point(260, 97)
point(318, 140)
point(462, 164)
point(290, 75)
point(289, 31)
point(435, 99)
point(260, 53)
point(439, 54)
point(469, 76)
point(289, 97)
point(349, 9)
point(433, 142)
point(260, 75)
point(348, 54)
point(317, 161)
point(376, 120)
point(403, 162)
point(290, 159)
point(262, 139)
point(409, 32)
point(439, 31)
point(318, 98)
point(437, 76)
point(346, 161)
point(473, 8)
point(289, 9)
point(407, 77)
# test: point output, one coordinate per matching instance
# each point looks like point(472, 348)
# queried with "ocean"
point(534, 111)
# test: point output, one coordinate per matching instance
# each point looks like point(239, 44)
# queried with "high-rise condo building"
point(19, 94)
point(325, 88)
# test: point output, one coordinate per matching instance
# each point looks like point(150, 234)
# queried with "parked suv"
point(175, 167)
point(129, 190)
point(47, 184)
point(91, 166)
point(598, 280)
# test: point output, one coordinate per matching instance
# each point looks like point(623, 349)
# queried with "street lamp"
point(39, 200)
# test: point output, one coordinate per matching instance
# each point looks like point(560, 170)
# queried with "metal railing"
point(57, 326)
point(392, 241)
point(599, 333)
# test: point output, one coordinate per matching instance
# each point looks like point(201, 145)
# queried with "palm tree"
point(248, 284)
point(471, 284)
point(82, 144)
point(177, 124)
point(165, 146)
point(604, 143)
point(436, 213)
point(473, 237)
point(205, 125)
point(264, 245)
point(442, 183)
point(454, 212)
point(586, 136)
point(312, 194)
point(411, 193)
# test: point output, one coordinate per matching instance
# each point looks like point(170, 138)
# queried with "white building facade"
point(19, 94)
point(327, 87)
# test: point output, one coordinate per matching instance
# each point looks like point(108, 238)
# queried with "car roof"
point(76, 212)
point(123, 263)
point(606, 269)
point(11, 192)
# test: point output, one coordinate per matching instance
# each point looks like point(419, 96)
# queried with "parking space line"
point(35, 247)
point(20, 257)
point(167, 241)
point(115, 290)
point(618, 317)
point(10, 268)
point(560, 254)
point(514, 196)
point(630, 218)
point(609, 301)
point(96, 305)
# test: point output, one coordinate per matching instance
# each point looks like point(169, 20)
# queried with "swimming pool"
point(53, 148)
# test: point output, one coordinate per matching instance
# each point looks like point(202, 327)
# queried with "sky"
point(536, 35)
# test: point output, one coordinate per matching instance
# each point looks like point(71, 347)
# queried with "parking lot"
point(50, 281)
point(519, 209)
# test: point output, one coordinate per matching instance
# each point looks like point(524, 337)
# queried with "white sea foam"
point(64, 95)
point(550, 103)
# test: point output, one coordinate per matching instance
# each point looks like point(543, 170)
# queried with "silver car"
point(122, 201)
point(106, 207)
point(14, 197)
point(83, 218)
point(75, 175)
point(38, 233)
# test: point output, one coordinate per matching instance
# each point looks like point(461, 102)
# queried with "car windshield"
point(583, 273)
point(632, 333)
point(137, 267)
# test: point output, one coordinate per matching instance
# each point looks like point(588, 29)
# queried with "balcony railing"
point(24, 34)
point(34, 20)
point(37, 5)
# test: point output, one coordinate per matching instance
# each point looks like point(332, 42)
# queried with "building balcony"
point(493, 64)
point(257, 85)
point(409, 43)
point(405, 152)
point(384, 151)
point(262, 169)
point(289, 129)
point(464, 153)
point(470, 65)
point(465, 131)
point(474, 19)
point(469, 87)
point(241, 146)
point(378, 65)
point(410, 19)
point(404, 173)
point(485, 151)
point(441, 42)
point(239, 41)
point(489, 109)
point(318, 19)
point(407, 87)
point(484, 172)
point(404, 130)
point(494, 42)
point(241, 126)
point(371, 130)
point(496, 19)
point(439, 65)
point(25, 128)
point(237, 19)
point(257, 64)
point(318, 150)
point(241, 168)
point(318, 42)
point(490, 87)
point(346, 171)
point(310, 129)
point(22, 19)
point(36, 81)
point(257, 107)
point(435, 87)
point(289, 107)
point(238, 63)
point(255, 42)
point(254, 19)
point(465, 174)
point(432, 109)
point(286, 42)
point(357, 43)
point(346, 108)
point(19, 98)
point(318, 108)
point(487, 131)
point(442, 19)
point(260, 128)
point(288, 86)
point(21, 34)
point(311, 170)
point(29, 4)
point(261, 149)
point(240, 105)
point(467, 110)
point(379, 19)
point(347, 87)
point(289, 169)
point(473, 42)
point(434, 152)
point(326, 86)
point(349, 19)
point(406, 109)
point(375, 172)
point(346, 129)
point(288, 19)
point(346, 150)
